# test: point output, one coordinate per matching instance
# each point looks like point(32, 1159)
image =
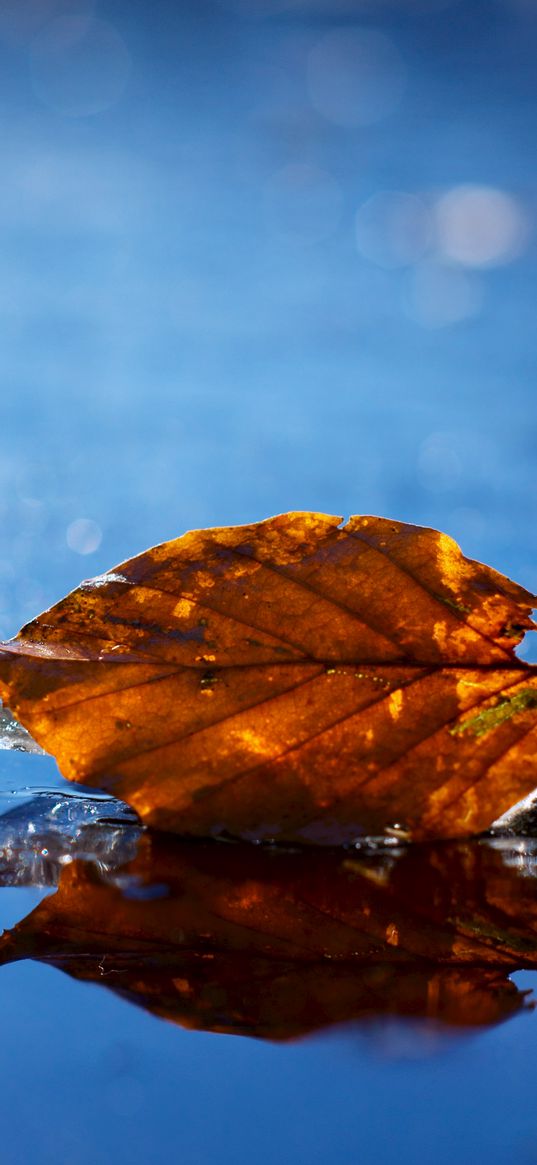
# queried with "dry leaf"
point(245, 940)
point(296, 679)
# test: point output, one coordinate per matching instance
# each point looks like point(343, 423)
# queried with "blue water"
point(103, 1080)
point(240, 276)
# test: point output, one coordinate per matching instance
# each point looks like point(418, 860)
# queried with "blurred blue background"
point(261, 255)
point(258, 255)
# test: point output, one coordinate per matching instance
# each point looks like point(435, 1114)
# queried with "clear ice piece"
point(14, 736)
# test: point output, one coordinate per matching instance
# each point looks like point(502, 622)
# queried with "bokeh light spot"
point(439, 296)
point(479, 226)
point(84, 536)
point(355, 77)
point(80, 66)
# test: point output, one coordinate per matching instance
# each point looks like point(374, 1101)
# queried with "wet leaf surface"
point(297, 679)
point(254, 941)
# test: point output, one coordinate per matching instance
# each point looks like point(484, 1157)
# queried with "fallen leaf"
point(252, 941)
point(296, 679)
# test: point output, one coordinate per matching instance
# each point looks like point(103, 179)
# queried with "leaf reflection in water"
point(260, 942)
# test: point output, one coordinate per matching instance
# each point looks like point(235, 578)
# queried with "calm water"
point(258, 255)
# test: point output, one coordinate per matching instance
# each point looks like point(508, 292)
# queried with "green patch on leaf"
point(490, 718)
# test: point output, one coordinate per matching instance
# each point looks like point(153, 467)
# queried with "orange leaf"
point(294, 679)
